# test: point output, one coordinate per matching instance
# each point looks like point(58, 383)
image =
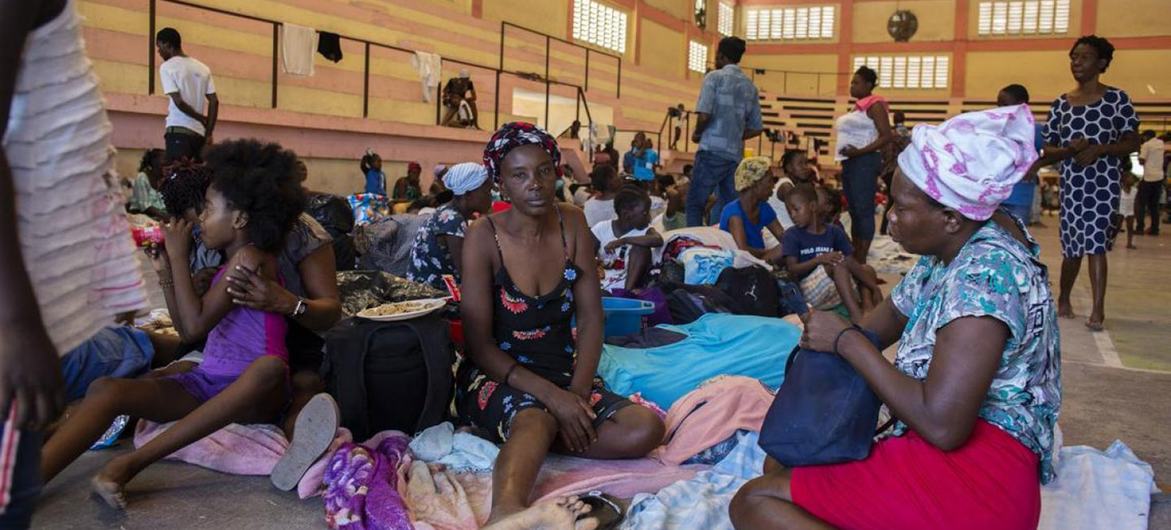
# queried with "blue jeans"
point(26, 482)
point(115, 351)
point(710, 172)
point(860, 183)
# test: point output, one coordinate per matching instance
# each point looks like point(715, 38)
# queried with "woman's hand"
point(1088, 155)
point(249, 289)
point(850, 151)
point(821, 330)
point(178, 236)
point(575, 419)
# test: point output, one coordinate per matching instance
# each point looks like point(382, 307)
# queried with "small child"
point(625, 243)
point(819, 256)
point(250, 206)
point(371, 166)
point(1126, 203)
point(674, 217)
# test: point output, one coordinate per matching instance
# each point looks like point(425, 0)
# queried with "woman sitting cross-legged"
point(526, 273)
point(247, 214)
point(749, 214)
point(976, 381)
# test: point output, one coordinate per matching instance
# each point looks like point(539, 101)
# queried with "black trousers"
point(184, 145)
point(1147, 203)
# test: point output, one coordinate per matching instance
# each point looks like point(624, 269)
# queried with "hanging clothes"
point(329, 45)
point(297, 46)
point(429, 66)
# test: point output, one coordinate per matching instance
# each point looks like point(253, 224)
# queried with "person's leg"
point(702, 184)
point(475, 114)
point(448, 113)
point(530, 435)
point(177, 146)
point(1070, 267)
point(305, 385)
point(766, 502)
point(1156, 195)
point(197, 144)
point(23, 485)
point(1130, 231)
point(1098, 289)
point(166, 348)
point(257, 395)
point(844, 283)
point(160, 400)
point(632, 432)
point(638, 264)
point(865, 188)
point(1140, 206)
point(725, 190)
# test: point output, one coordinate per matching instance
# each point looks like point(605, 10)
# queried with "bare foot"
point(561, 514)
point(1064, 309)
point(1131, 246)
point(109, 483)
point(1096, 324)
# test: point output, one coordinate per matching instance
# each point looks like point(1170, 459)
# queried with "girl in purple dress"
point(252, 203)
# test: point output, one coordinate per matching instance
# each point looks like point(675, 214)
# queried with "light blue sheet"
point(716, 344)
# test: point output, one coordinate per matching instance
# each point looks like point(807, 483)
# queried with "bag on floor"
point(752, 288)
point(686, 304)
point(824, 412)
point(791, 300)
point(389, 375)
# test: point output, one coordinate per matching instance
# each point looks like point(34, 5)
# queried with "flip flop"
point(314, 432)
point(604, 508)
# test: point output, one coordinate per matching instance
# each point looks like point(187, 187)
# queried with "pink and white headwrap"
point(971, 162)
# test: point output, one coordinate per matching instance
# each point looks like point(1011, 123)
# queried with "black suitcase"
point(390, 375)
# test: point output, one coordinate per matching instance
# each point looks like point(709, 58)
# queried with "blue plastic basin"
point(623, 316)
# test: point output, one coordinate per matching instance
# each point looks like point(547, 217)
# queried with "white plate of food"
point(403, 310)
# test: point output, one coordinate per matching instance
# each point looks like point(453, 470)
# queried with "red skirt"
point(991, 482)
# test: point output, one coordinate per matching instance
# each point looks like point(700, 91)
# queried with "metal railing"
point(580, 91)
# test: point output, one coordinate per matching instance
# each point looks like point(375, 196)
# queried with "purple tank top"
point(244, 335)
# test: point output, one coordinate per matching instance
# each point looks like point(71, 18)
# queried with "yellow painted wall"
point(1044, 73)
point(680, 9)
point(1133, 70)
point(936, 20)
point(794, 84)
point(547, 16)
point(1133, 18)
point(662, 50)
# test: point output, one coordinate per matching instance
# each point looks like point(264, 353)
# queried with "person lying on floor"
point(746, 216)
point(820, 256)
point(528, 383)
point(251, 205)
point(438, 247)
point(625, 244)
point(976, 383)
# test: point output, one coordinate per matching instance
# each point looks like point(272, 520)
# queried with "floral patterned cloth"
point(430, 257)
point(362, 486)
point(992, 276)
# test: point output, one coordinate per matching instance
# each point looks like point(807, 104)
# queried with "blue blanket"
point(716, 344)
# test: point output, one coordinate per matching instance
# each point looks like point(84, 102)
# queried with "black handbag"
point(824, 412)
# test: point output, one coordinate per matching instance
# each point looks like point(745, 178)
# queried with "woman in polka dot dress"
point(1089, 128)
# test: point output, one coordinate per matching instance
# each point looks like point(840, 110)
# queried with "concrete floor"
point(1117, 385)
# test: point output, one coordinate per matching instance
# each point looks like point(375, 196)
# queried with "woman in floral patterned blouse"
point(976, 381)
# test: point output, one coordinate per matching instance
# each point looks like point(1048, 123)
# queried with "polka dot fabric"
point(1089, 194)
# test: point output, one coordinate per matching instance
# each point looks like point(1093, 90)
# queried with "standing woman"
point(862, 133)
point(1089, 128)
point(529, 382)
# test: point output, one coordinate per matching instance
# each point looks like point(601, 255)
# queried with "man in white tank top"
point(194, 107)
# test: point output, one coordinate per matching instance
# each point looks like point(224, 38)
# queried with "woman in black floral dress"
point(529, 383)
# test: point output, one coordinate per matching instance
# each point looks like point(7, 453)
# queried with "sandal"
point(316, 426)
point(604, 508)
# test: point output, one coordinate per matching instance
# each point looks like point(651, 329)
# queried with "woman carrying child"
point(251, 205)
point(750, 213)
point(529, 383)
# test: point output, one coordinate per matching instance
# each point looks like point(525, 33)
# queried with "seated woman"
point(605, 181)
point(438, 247)
point(976, 382)
point(308, 297)
point(625, 244)
point(529, 383)
point(795, 170)
point(247, 216)
point(746, 216)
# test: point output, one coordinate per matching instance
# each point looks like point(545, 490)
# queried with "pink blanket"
point(711, 414)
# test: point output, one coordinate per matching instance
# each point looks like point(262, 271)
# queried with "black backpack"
point(389, 375)
point(689, 302)
point(752, 288)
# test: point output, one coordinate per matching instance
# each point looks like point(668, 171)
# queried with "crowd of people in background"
point(250, 281)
